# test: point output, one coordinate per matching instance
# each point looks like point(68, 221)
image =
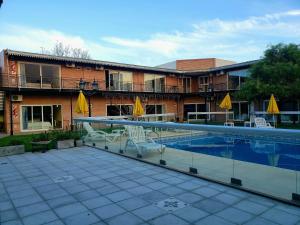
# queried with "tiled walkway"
point(88, 186)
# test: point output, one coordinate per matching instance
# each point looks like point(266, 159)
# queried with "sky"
point(151, 32)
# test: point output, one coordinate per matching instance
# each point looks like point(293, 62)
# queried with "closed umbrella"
point(81, 104)
point(226, 104)
point(273, 108)
point(138, 108)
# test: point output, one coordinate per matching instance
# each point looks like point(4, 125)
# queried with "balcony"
point(37, 82)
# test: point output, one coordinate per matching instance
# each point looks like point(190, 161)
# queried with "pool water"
point(279, 154)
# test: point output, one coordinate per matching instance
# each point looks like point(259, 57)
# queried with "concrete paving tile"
point(119, 196)
point(251, 207)
point(188, 186)
point(168, 219)
point(129, 218)
point(235, 215)
point(8, 215)
point(190, 214)
point(85, 218)
point(227, 198)
point(96, 202)
point(148, 212)
point(71, 209)
point(260, 221)
point(206, 191)
point(28, 200)
point(213, 220)
point(154, 196)
point(210, 206)
point(85, 195)
point(132, 203)
point(109, 211)
point(140, 190)
point(65, 200)
point(189, 197)
point(32, 209)
point(5, 205)
point(171, 191)
point(40, 218)
point(13, 222)
point(157, 185)
point(280, 216)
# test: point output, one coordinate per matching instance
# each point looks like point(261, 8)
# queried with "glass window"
point(50, 76)
point(118, 81)
point(154, 83)
point(119, 110)
point(113, 110)
point(41, 117)
point(30, 73)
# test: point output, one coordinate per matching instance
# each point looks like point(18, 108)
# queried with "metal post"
point(90, 111)
point(11, 116)
point(71, 112)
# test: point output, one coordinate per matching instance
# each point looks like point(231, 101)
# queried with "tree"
point(278, 73)
point(60, 49)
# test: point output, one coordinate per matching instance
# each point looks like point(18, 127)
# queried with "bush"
point(15, 142)
point(41, 137)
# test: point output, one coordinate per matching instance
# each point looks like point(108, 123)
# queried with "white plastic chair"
point(100, 135)
point(260, 122)
point(140, 141)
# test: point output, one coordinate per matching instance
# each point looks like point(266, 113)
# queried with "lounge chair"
point(101, 135)
point(260, 122)
point(138, 139)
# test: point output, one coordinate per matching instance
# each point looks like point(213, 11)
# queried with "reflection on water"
point(284, 155)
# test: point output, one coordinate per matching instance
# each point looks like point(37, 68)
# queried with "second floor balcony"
point(68, 83)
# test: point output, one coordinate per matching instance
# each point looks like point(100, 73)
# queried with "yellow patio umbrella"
point(138, 108)
point(226, 104)
point(81, 104)
point(273, 108)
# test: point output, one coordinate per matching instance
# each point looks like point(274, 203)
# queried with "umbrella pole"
point(274, 120)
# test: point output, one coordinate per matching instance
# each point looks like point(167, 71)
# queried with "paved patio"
point(89, 186)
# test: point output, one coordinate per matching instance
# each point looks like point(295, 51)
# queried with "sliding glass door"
point(41, 117)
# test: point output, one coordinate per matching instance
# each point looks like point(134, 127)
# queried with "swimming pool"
point(278, 153)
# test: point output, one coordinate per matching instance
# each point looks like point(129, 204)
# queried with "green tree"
point(278, 72)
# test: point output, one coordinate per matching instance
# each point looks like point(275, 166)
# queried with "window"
point(154, 83)
point(41, 117)
point(39, 76)
point(203, 83)
point(197, 107)
point(118, 80)
point(155, 109)
point(241, 110)
point(186, 82)
point(119, 110)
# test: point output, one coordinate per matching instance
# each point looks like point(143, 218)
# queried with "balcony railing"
point(37, 82)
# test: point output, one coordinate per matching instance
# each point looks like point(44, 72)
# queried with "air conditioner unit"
point(99, 68)
point(70, 65)
point(16, 98)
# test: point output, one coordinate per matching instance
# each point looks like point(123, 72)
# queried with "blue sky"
point(151, 32)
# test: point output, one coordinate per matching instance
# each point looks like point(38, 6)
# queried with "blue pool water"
point(280, 153)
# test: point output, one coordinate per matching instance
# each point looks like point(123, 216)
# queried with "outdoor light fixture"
point(95, 85)
point(81, 84)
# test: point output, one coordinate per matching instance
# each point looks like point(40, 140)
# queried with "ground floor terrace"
point(90, 186)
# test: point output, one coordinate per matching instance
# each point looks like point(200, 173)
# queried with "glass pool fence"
point(265, 161)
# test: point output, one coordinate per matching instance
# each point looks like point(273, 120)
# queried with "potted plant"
point(65, 139)
point(13, 147)
point(78, 141)
point(41, 142)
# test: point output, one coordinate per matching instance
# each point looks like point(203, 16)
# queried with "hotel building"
point(39, 92)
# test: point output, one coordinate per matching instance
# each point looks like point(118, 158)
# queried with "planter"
point(40, 145)
point(12, 150)
point(78, 143)
point(65, 144)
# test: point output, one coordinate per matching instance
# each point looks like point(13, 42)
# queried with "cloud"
point(237, 40)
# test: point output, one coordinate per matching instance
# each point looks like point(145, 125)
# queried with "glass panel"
point(37, 120)
point(149, 82)
point(126, 78)
point(57, 116)
point(47, 114)
point(159, 83)
point(189, 108)
point(26, 117)
point(30, 76)
point(113, 110)
point(50, 76)
point(126, 110)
